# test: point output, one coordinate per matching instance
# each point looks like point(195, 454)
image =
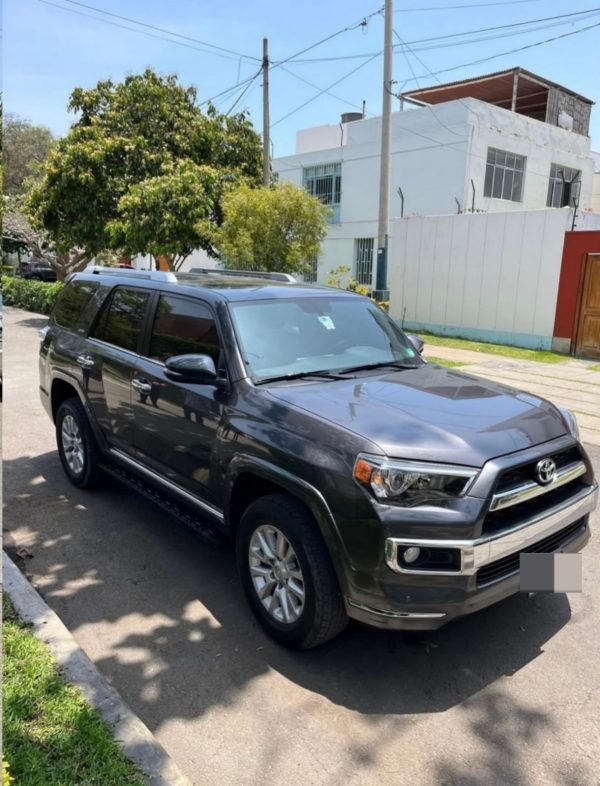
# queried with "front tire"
point(287, 574)
point(77, 445)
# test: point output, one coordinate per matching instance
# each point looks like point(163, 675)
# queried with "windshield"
point(285, 337)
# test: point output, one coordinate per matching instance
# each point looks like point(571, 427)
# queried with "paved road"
point(508, 696)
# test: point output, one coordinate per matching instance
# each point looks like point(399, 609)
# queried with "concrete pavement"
point(507, 696)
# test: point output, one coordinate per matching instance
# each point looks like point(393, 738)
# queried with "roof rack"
point(246, 274)
point(151, 275)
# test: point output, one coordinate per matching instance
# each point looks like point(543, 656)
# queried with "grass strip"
point(52, 737)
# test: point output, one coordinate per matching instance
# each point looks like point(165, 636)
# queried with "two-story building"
point(506, 141)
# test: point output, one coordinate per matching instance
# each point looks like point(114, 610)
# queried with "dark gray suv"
point(355, 479)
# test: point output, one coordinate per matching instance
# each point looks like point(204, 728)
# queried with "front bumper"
point(425, 600)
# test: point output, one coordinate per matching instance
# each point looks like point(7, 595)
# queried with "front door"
point(588, 331)
point(175, 424)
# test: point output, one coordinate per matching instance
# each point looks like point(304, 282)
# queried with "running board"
point(204, 525)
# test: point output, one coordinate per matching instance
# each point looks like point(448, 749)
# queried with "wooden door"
point(588, 329)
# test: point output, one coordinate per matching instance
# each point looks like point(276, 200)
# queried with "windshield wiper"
point(382, 364)
point(324, 374)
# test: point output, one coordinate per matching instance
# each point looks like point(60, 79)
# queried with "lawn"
point(448, 363)
point(52, 737)
point(538, 355)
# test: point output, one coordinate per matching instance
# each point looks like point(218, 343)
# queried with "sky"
point(51, 46)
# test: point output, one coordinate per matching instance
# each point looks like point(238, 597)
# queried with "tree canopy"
point(25, 148)
point(143, 169)
point(274, 229)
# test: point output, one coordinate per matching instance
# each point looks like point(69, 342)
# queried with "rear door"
point(109, 360)
point(175, 424)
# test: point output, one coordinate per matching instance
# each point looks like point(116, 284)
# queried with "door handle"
point(141, 385)
point(85, 360)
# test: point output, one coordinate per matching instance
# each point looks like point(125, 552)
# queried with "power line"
point(325, 90)
point(449, 37)
point(316, 87)
point(161, 29)
point(139, 32)
point(244, 91)
point(466, 5)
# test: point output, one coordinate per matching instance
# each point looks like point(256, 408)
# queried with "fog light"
point(411, 554)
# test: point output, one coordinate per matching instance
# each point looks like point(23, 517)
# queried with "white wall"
point(492, 277)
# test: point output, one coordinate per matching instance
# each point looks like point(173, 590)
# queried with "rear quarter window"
point(72, 303)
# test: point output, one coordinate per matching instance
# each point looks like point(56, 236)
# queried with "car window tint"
point(72, 301)
point(183, 327)
point(121, 322)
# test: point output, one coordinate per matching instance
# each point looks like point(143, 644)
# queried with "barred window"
point(310, 276)
point(363, 260)
point(504, 175)
point(325, 183)
point(563, 186)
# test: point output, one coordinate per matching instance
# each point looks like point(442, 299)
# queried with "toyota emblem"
point(545, 471)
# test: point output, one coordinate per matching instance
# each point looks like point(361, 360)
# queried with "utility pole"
point(266, 122)
point(386, 137)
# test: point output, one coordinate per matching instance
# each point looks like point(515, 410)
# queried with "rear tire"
point(287, 574)
point(77, 447)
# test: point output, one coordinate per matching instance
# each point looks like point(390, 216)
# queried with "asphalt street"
point(510, 695)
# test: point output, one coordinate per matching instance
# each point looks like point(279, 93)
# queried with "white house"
point(502, 142)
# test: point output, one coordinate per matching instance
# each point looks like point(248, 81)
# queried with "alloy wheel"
point(276, 574)
point(72, 444)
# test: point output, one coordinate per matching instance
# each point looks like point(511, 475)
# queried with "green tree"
point(25, 148)
point(143, 167)
point(275, 228)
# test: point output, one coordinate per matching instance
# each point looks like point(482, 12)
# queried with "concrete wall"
point(492, 277)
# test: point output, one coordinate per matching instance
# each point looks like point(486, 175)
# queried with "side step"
point(209, 531)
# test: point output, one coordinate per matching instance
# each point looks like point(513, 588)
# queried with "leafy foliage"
point(143, 167)
point(25, 147)
point(37, 296)
point(274, 229)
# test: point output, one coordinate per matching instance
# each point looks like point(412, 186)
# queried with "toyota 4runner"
point(355, 479)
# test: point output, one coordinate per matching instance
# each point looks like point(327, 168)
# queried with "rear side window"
point(120, 324)
point(183, 327)
point(72, 301)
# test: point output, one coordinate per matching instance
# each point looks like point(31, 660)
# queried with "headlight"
point(571, 422)
point(411, 482)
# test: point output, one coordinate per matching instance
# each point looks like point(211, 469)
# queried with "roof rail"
point(151, 275)
point(246, 274)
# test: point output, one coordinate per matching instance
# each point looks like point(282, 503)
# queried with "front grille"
point(517, 476)
point(507, 566)
point(506, 518)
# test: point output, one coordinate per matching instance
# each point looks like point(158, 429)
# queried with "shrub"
point(38, 296)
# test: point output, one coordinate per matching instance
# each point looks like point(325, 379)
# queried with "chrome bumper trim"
point(531, 490)
point(476, 553)
point(415, 615)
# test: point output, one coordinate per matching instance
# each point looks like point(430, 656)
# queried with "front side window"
point(504, 175)
point(563, 186)
point(281, 337)
point(363, 260)
point(121, 323)
point(325, 183)
point(72, 301)
point(183, 327)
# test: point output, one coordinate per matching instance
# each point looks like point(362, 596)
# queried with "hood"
point(430, 413)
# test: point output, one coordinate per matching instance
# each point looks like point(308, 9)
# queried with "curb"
point(136, 740)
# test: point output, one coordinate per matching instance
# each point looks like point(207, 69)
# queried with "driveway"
point(508, 696)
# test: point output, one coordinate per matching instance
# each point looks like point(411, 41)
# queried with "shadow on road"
point(110, 559)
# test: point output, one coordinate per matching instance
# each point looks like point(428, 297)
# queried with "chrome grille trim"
point(528, 491)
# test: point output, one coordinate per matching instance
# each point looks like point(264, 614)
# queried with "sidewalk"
point(571, 384)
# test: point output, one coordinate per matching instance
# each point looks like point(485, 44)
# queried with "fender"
point(75, 382)
point(307, 493)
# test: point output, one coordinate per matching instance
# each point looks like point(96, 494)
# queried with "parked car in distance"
point(37, 271)
point(355, 479)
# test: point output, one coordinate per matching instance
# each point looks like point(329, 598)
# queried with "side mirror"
point(415, 342)
point(193, 369)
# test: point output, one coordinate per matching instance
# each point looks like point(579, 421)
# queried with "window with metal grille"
point(310, 275)
point(363, 260)
point(504, 175)
point(325, 183)
point(563, 186)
